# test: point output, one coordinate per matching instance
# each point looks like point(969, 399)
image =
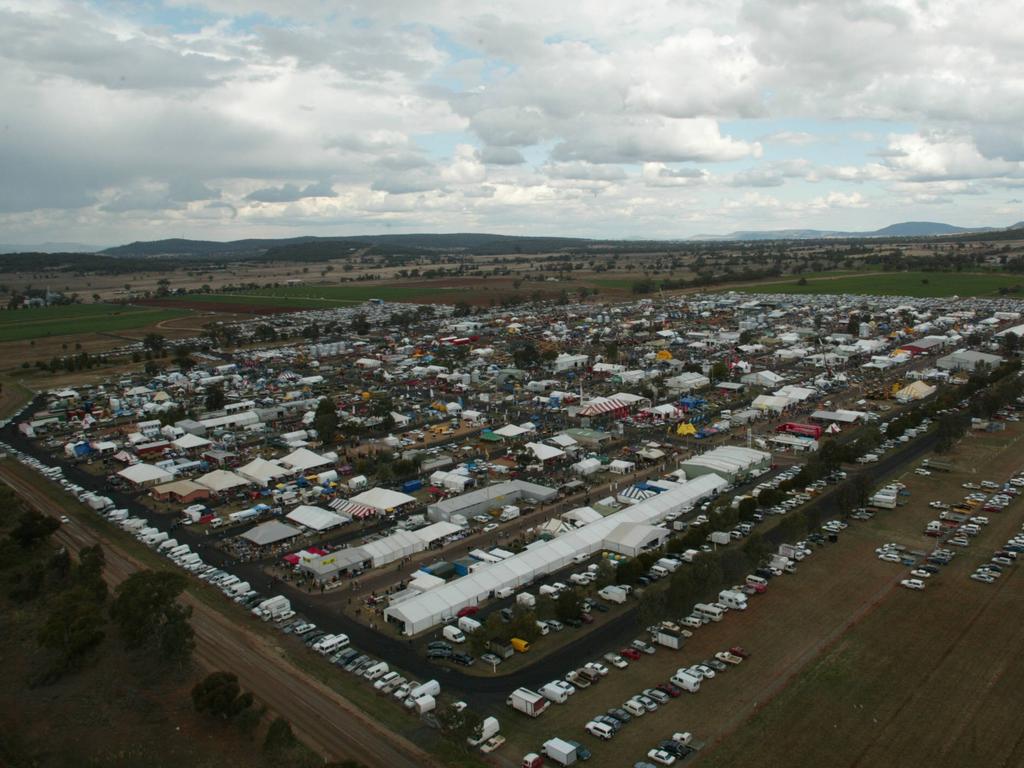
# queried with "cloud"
point(501, 155)
point(660, 175)
point(290, 193)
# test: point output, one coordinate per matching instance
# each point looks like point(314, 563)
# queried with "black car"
point(600, 607)
point(672, 747)
point(620, 714)
point(643, 581)
point(435, 644)
point(576, 623)
point(764, 573)
point(463, 658)
point(439, 653)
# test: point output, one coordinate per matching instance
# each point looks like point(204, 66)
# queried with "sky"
point(220, 119)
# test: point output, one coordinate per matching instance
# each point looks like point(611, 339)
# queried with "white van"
point(378, 669)
point(552, 692)
point(543, 628)
point(686, 681)
point(658, 571)
point(600, 730)
point(336, 643)
point(711, 612)
point(453, 634)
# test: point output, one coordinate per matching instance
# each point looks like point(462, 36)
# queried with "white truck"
point(508, 512)
point(554, 693)
point(526, 600)
point(612, 594)
point(528, 702)
point(791, 551)
point(272, 607)
point(559, 751)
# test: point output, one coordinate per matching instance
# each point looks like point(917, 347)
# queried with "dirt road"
point(324, 720)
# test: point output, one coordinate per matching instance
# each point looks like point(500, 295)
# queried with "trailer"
point(559, 751)
point(804, 430)
point(528, 702)
point(668, 638)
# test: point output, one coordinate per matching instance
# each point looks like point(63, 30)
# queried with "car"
point(574, 623)
point(439, 653)
point(65, 519)
point(728, 658)
point(643, 764)
point(682, 737)
point(921, 574)
point(490, 658)
point(569, 688)
point(554, 625)
point(464, 659)
point(913, 584)
point(616, 661)
point(402, 691)
point(620, 714)
point(659, 696)
point(671, 689)
point(715, 664)
point(490, 527)
point(646, 702)
point(640, 645)
point(630, 653)
point(611, 722)
point(661, 756)
point(581, 751)
point(601, 607)
point(738, 650)
point(586, 618)
point(439, 645)
point(706, 671)
point(601, 669)
point(983, 577)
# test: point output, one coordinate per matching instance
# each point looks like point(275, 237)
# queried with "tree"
point(219, 695)
point(72, 628)
point(567, 605)
point(459, 725)
point(154, 342)
point(147, 614)
point(279, 736)
point(525, 355)
point(325, 421)
point(214, 397)
point(32, 528)
point(719, 371)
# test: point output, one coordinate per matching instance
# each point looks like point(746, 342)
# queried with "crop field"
point(847, 668)
point(79, 319)
point(917, 284)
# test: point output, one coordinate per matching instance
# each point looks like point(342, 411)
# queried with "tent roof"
point(145, 473)
point(382, 499)
point(317, 518)
point(261, 471)
point(221, 480)
point(545, 452)
point(270, 533)
point(302, 459)
point(189, 440)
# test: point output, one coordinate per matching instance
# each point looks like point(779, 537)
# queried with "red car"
point(737, 650)
point(586, 618)
point(630, 653)
point(672, 690)
point(469, 610)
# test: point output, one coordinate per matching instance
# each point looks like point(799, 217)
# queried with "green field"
point(77, 319)
point(918, 284)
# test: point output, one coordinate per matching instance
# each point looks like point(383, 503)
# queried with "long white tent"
point(434, 606)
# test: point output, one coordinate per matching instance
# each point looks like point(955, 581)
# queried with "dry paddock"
point(847, 667)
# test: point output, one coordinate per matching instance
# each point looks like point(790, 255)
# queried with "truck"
point(488, 728)
point(554, 693)
point(937, 465)
point(424, 704)
point(528, 702)
point(612, 594)
point(670, 564)
point(791, 551)
point(508, 512)
point(669, 638)
point(780, 562)
point(559, 751)
point(688, 555)
point(526, 600)
point(271, 607)
point(719, 537)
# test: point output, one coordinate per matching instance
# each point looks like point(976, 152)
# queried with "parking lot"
point(865, 658)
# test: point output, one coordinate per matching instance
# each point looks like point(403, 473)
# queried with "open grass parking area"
point(78, 319)
point(320, 296)
point(847, 667)
point(917, 284)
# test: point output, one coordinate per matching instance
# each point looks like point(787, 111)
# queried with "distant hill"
point(903, 229)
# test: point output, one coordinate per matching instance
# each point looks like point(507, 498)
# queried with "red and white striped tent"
point(356, 510)
point(604, 406)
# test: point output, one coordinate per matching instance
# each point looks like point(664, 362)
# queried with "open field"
point(79, 319)
point(822, 682)
point(927, 678)
point(918, 284)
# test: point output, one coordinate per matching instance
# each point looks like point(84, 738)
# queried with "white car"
point(889, 557)
point(913, 584)
point(616, 661)
point(601, 669)
point(920, 574)
point(661, 756)
point(490, 527)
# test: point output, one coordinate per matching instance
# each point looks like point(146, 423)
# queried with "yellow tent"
point(663, 355)
point(686, 429)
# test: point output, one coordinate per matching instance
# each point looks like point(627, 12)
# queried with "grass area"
point(77, 319)
point(319, 296)
point(917, 284)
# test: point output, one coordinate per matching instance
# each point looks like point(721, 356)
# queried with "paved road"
point(324, 720)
